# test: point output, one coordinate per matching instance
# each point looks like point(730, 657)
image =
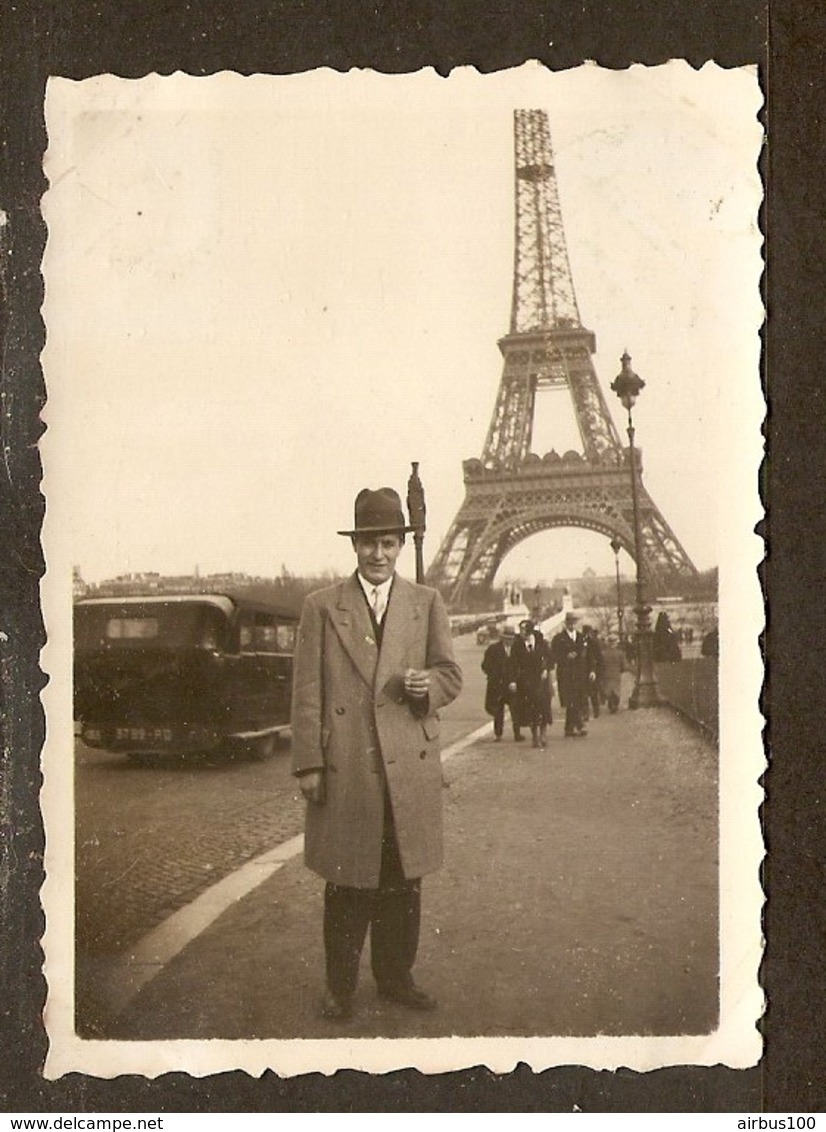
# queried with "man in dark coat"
point(595, 686)
point(373, 665)
point(575, 673)
point(533, 682)
point(499, 665)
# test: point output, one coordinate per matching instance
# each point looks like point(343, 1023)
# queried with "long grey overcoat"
point(351, 719)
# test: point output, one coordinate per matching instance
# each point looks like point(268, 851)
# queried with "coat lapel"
point(400, 626)
point(351, 620)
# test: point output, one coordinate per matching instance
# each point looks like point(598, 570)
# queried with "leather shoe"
point(335, 1009)
point(411, 997)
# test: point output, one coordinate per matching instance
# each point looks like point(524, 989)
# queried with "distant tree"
point(602, 610)
point(290, 590)
point(703, 587)
point(706, 617)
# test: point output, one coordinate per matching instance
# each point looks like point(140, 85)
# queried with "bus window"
point(131, 628)
point(285, 636)
point(262, 636)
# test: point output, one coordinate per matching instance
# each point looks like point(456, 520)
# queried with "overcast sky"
point(264, 293)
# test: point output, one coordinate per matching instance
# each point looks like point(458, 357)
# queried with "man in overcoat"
point(595, 686)
point(533, 681)
point(575, 673)
point(499, 665)
point(373, 666)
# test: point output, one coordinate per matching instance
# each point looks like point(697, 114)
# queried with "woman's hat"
point(379, 510)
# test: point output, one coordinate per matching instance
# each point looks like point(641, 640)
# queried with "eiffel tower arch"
point(511, 492)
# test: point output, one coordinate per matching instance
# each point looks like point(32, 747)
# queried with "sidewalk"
point(578, 896)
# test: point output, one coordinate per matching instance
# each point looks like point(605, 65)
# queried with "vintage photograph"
point(401, 467)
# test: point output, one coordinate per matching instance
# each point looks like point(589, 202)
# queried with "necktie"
point(378, 608)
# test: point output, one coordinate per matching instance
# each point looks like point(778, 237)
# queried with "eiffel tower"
point(512, 493)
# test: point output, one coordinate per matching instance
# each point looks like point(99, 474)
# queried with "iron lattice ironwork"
point(512, 493)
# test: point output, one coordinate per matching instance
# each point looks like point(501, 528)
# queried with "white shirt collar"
point(382, 587)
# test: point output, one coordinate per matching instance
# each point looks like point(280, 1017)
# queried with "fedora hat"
point(379, 510)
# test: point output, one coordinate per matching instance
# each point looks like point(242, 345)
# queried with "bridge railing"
point(690, 686)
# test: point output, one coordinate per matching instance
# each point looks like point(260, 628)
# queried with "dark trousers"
point(499, 719)
point(392, 912)
point(575, 713)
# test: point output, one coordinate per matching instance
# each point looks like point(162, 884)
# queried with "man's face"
point(377, 554)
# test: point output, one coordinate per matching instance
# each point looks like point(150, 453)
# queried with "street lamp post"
point(616, 546)
point(627, 386)
point(417, 510)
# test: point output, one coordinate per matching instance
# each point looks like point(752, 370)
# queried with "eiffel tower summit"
point(512, 492)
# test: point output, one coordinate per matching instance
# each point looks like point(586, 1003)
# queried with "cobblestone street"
point(152, 837)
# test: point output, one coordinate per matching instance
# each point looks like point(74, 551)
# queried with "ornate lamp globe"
point(627, 384)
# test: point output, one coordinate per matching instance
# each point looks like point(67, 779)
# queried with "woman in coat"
point(666, 646)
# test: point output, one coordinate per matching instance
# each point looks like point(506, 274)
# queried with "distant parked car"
point(182, 673)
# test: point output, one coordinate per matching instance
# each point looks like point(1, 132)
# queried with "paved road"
point(578, 897)
point(151, 837)
point(580, 890)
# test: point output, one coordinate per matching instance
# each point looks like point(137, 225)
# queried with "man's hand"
point(312, 786)
point(592, 675)
point(417, 683)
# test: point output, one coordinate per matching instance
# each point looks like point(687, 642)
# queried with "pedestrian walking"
point(575, 672)
point(533, 682)
point(613, 666)
point(711, 643)
point(499, 665)
point(595, 694)
point(373, 665)
point(666, 646)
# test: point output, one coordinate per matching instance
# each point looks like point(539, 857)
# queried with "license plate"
point(143, 734)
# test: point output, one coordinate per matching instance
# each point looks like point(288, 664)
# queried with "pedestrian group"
point(518, 670)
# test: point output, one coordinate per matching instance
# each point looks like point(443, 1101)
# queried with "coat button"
point(422, 754)
point(339, 711)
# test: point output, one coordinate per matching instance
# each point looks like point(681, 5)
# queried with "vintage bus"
point(182, 673)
